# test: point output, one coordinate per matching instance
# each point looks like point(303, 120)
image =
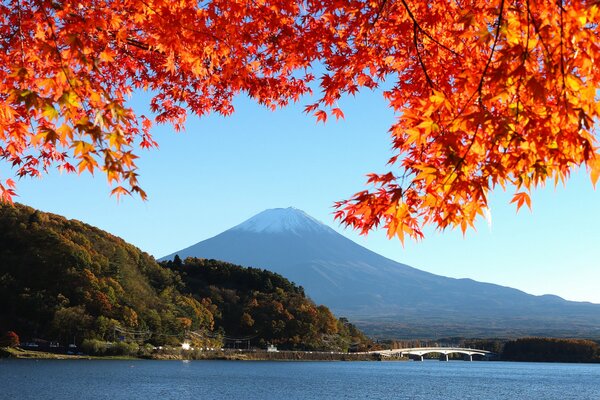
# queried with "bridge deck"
point(421, 351)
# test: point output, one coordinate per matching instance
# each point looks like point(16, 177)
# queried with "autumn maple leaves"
point(486, 94)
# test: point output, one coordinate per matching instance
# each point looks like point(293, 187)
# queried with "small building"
point(271, 348)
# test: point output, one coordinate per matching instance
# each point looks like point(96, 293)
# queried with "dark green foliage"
point(494, 345)
point(100, 348)
point(552, 350)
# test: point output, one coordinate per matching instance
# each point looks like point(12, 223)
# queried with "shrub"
point(9, 339)
point(124, 349)
point(94, 347)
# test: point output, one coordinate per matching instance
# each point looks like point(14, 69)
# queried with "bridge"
point(419, 352)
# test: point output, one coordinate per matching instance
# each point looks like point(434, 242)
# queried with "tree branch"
point(423, 67)
point(414, 20)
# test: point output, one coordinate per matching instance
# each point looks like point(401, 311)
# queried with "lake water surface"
point(250, 380)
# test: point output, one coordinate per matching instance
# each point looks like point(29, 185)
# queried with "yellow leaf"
point(116, 140)
point(573, 83)
point(426, 124)
point(65, 133)
point(437, 97)
point(595, 170)
point(106, 56)
point(426, 172)
point(50, 112)
point(81, 147)
point(87, 163)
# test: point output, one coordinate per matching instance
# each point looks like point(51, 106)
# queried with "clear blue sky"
point(222, 171)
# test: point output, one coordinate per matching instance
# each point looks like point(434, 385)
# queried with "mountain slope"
point(63, 280)
point(384, 294)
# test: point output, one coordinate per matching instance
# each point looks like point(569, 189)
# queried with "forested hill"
point(256, 303)
point(62, 280)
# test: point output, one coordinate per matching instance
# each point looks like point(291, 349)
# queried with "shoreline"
point(233, 355)
point(19, 353)
point(226, 355)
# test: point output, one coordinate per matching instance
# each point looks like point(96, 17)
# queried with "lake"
point(249, 380)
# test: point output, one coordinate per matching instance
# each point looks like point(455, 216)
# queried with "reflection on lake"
point(111, 379)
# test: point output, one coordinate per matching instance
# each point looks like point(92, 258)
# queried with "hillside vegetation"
point(63, 280)
point(254, 303)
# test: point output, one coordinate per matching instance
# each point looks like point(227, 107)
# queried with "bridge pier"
point(419, 358)
point(468, 357)
point(443, 357)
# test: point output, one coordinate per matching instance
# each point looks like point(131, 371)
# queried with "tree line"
point(533, 349)
point(540, 349)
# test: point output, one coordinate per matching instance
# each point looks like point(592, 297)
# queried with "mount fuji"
point(386, 297)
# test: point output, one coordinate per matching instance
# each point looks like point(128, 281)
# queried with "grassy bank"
point(17, 352)
point(177, 354)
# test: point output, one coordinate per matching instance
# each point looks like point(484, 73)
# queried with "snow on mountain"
point(356, 282)
point(278, 220)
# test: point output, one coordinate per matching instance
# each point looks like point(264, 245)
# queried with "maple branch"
point(562, 54)
point(526, 54)
point(489, 60)
point(423, 67)
point(209, 34)
point(379, 11)
point(66, 72)
point(523, 62)
point(138, 44)
point(57, 49)
point(537, 29)
point(22, 48)
point(480, 85)
point(481, 81)
point(414, 20)
point(375, 20)
point(462, 159)
point(21, 36)
point(514, 134)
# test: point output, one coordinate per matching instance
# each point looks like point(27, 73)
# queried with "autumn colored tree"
point(487, 94)
point(10, 339)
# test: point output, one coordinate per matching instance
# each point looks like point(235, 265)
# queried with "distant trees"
point(177, 261)
point(532, 349)
point(551, 350)
point(493, 345)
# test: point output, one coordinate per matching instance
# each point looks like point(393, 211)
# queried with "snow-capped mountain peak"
point(358, 283)
point(277, 220)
